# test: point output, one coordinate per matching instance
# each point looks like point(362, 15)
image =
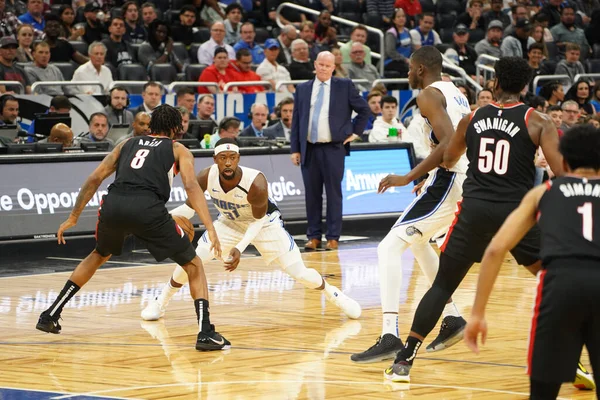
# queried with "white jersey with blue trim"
point(233, 206)
point(457, 106)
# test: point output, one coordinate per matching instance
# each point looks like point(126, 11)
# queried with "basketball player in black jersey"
point(566, 314)
point(501, 141)
point(135, 203)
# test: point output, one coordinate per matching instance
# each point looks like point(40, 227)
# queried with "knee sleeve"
point(180, 276)
point(389, 254)
point(203, 251)
point(427, 259)
point(307, 276)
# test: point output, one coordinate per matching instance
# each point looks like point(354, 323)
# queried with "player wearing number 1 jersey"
point(566, 314)
point(246, 216)
point(135, 204)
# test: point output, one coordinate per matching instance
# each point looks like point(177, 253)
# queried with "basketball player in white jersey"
point(443, 106)
point(247, 216)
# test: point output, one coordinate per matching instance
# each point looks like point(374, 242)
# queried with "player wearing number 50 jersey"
point(135, 204)
point(246, 216)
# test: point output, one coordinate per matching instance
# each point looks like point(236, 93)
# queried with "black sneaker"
point(451, 332)
point(212, 340)
point(47, 324)
point(385, 348)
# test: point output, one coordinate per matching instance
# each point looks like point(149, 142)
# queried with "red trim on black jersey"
point(175, 169)
point(509, 105)
point(98, 220)
point(527, 115)
point(536, 314)
point(459, 206)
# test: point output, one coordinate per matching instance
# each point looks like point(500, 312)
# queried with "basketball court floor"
point(287, 342)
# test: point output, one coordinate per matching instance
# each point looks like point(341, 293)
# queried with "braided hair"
point(166, 120)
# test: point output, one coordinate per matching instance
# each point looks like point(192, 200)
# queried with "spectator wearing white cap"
point(270, 70)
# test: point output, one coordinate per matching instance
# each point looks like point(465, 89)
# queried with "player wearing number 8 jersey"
point(135, 204)
point(501, 140)
point(247, 216)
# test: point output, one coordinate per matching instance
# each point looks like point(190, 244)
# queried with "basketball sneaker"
point(385, 348)
point(451, 332)
point(211, 340)
point(47, 324)
point(153, 311)
point(398, 372)
point(583, 379)
point(349, 306)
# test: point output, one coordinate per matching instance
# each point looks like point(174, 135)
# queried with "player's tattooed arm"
point(185, 160)
point(457, 144)
point(202, 178)
point(90, 186)
point(106, 168)
point(548, 140)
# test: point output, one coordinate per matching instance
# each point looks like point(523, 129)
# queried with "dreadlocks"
point(166, 120)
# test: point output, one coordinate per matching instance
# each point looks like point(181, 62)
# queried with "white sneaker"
point(349, 306)
point(153, 311)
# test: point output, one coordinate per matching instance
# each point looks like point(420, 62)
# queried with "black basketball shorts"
point(566, 317)
point(145, 216)
point(475, 224)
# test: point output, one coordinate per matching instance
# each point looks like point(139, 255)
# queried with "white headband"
point(226, 147)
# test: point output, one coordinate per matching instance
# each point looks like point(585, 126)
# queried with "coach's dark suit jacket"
point(343, 99)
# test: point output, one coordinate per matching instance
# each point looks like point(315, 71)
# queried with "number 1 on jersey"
point(493, 159)
point(588, 223)
point(139, 159)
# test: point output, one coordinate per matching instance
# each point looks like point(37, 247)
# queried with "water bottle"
point(207, 141)
point(393, 135)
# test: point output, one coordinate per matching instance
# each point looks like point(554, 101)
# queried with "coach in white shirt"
point(270, 70)
point(94, 70)
point(206, 51)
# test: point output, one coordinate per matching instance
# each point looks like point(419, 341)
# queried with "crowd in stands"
point(217, 43)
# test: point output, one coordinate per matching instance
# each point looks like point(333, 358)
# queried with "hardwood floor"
point(287, 342)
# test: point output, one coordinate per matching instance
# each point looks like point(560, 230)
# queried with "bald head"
point(217, 32)
point(62, 134)
point(141, 124)
point(324, 66)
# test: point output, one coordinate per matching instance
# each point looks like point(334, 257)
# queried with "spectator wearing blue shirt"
point(34, 16)
point(247, 42)
point(259, 113)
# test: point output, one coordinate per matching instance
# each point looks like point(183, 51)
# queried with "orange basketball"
point(186, 225)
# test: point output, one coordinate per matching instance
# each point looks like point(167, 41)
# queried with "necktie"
point(259, 134)
point(314, 124)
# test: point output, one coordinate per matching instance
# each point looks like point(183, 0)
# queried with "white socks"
point(451, 310)
point(389, 253)
point(167, 293)
point(390, 324)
